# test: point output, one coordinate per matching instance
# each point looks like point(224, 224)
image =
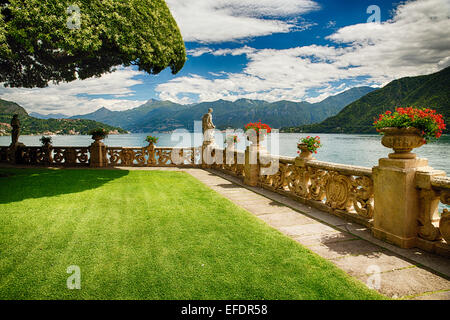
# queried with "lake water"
point(353, 149)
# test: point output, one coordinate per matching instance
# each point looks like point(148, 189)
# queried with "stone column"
point(252, 166)
point(151, 154)
point(98, 154)
point(397, 198)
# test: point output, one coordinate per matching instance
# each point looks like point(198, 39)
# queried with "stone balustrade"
point(229, 161)
point(4, 154)
point(152, 156)
point(57, 156)
point(343, 190)
point(111, 156)
point(433, 225)
point(398, 200)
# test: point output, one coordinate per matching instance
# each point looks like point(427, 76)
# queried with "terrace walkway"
point(403, 273)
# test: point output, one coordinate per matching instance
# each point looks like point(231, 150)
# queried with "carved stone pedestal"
point(397, 208)
point(252, 166)
point(98, 154)
point(14, 153)
point(208, 154)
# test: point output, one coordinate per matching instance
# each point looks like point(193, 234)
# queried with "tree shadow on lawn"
point(20, 184)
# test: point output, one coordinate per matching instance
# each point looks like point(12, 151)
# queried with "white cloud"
point(415, 41)
point(331, 24)
point(198, 51)
point(228, 20)
point(78, 97)
point(220, 52)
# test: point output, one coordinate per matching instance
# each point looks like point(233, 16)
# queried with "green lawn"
point(148, 235)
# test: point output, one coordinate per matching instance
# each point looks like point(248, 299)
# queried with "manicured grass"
point(148, 235)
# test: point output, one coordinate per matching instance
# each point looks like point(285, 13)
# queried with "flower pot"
point(97, 138)
point(305, 152)
point(402, 140)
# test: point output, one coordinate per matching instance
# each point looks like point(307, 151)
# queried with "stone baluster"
point(429, 203)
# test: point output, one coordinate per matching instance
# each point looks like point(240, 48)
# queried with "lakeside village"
point(5, 130)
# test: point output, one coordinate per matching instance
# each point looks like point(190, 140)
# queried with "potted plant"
point(98, 134)
point(151, 140)
point(46, 141)
point(408, 128)
point(257, 131)
point(308, 146)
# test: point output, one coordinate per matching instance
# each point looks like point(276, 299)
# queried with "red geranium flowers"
point(258, 127)
point(430, 123)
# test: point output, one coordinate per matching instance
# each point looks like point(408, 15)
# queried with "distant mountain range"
point(32, 125)
point(431, 91)
point(157, 115)
point(48, 116)
point(351, 111)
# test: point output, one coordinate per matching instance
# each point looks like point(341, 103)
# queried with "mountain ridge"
point(431, 91)
point(157, 115)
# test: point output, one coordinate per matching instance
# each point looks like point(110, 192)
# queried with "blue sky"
point(270, 50)
point(312, 28)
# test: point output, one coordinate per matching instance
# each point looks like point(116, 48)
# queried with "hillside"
point(31, 125)
point(431, 91)
point(165, 116)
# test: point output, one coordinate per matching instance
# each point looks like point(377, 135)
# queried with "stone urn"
point(402, 140)
point(305, 152)
point(98, 137)
point(256, 138)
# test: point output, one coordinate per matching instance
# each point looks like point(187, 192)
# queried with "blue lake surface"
point(353, 149)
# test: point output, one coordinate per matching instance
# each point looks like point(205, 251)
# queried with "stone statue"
point(15, 124)
point(208, 127)
point(14, 151)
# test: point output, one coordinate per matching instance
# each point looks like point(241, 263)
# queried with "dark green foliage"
point(165, 115)
point(45, 140)
point(98, 132)
point(37, 46)
point(429, 91)
point(30, 125)
point(152, 139)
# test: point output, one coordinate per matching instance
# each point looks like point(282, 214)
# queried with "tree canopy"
point(44, 41)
